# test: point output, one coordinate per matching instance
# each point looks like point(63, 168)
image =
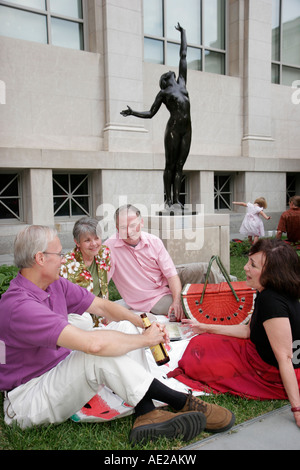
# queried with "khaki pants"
point(192, 273)
point(59, 393)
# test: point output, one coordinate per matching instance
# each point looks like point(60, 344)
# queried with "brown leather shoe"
point(218, 419)
point(164, 423)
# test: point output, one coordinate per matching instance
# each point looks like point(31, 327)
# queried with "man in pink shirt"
point(143, 270)
point(141, 267)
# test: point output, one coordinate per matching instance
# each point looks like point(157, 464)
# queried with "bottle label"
point(145, 320)
point(159, 352)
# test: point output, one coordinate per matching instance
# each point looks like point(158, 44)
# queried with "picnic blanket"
point(107, 406)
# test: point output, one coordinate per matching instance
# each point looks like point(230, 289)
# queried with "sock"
point(159, 391)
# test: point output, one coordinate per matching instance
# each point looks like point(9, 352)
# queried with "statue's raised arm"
point(183, 53)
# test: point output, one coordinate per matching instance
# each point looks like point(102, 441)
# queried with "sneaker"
point(157, 423)
point(218, 419)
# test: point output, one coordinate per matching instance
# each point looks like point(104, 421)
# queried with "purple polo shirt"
point(31, 320)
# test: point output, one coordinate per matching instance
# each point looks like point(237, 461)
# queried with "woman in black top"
point(259, 360)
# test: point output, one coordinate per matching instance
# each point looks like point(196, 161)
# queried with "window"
point(222, 192)
point(204, 21)
point(10, 200)
point(291, 185)
point(285, 41)
point(71, 195)
point(54, 22)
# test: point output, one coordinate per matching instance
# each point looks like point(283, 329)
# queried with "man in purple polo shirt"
point(52, 368)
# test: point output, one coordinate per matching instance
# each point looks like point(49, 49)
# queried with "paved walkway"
point(272, 431)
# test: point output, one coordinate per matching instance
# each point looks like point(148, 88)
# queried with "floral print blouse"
point(75, 270)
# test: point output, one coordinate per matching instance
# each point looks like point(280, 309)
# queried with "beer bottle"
point(159, 352)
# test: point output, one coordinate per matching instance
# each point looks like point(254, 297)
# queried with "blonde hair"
point(261, 202)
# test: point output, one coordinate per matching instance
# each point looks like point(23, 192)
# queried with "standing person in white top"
point(252, 225)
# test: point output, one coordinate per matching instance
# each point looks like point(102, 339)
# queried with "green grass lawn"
point(114, 434)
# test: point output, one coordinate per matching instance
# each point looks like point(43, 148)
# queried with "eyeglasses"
point(61, 255)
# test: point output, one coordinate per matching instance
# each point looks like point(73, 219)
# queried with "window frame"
point(48, 15)
point(292, 185)
point(184, 195)
point(89, 195)
point(280, 63)
point(16, 218)
point(202, 47)
point(218, 192)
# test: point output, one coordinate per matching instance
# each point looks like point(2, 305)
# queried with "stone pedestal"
point(192, 238)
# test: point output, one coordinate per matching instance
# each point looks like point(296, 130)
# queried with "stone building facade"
point(65, 149)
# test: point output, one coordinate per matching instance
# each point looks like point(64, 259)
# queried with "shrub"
point(240, 248)
point(7, 273)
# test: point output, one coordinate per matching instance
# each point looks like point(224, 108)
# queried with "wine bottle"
point(159, 351)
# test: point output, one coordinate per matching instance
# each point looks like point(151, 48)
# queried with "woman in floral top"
point(89, 262)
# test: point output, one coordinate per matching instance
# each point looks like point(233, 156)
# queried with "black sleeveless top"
point(270, 304)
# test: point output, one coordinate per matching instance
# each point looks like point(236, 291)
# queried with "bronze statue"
point(178, 132)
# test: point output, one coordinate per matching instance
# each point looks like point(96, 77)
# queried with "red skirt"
point(217, 363)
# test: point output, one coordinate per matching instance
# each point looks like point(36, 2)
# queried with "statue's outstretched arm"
point(145, 114)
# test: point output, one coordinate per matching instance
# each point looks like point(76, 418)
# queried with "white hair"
point(29, 242)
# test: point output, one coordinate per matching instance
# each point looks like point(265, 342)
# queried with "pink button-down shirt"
point(140, 273)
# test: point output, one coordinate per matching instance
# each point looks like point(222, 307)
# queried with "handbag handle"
point(223, 271)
